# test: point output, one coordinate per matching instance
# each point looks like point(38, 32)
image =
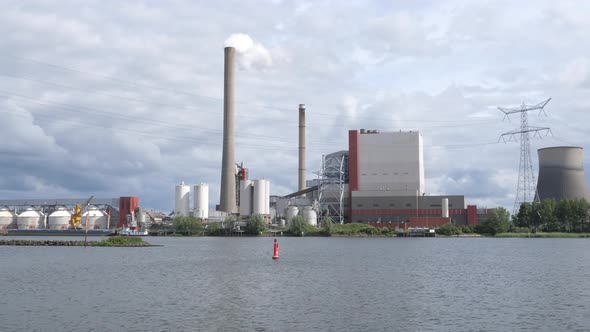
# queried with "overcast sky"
point(116, 98)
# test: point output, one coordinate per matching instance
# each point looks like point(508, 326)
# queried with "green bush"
point(213, 229)
point(255, 225)
point(468, 229)
point(187, 225)
point(449, 229)
point(119, 241)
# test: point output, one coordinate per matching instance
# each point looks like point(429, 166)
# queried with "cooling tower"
point(301, 147)
point(561, 173)
point(227, 201)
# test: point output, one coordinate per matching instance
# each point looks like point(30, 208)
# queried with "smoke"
point(251, 55)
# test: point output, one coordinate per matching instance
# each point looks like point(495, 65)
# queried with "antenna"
point(526, 189)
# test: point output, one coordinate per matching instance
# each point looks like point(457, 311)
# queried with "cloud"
point(250, 54)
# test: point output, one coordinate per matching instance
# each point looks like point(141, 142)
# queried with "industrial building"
point(64, 214)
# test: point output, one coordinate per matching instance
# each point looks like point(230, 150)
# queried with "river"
point(318, 284)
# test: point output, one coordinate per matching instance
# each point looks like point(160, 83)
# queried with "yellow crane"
point(76, 218)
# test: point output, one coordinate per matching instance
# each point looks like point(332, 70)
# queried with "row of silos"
point(200, 200)
point(254, 197)
point(59, 219)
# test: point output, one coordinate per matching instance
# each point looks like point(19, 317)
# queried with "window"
point(408, 204)
point(435, 205)
point(375, 205)
point(359, 205)
point(392, 204)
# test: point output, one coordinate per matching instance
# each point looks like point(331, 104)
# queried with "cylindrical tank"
point(201, 201)
point(311, 218)
point(282, 222)
point(561, 173)
point(246, 197)
point(267, 198)
point(7, 219)
point(59, 219)
point(96, 219)
point(31, 219)
point(445, 207)
point(258, 200)
point(182, 200)
point(291, 212)
point(140, 215)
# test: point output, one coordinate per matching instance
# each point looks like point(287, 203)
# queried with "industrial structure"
point(561, 173)
point(227, 200)
point(76, 213)
point(525, 189)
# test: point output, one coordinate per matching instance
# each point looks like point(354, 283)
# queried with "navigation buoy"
point(276, 250)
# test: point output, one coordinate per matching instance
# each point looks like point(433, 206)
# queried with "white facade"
point(201, 201)
point(259, 200)
point(391, 162)
point(182, 200)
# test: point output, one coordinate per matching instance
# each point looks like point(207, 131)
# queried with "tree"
point(187, 225)
point(254, 225)
point(547, 215)
point(327, 225)
point(213, 229)
point(564, 214)
point(580, 214)
point(523, 217)
point(297, 226)
point(498, 222)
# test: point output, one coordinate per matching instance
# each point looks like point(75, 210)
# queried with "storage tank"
point(245, 197)
point(291, 212)
point(182, 200)
point(258, 199)
point(31, 219)
point(201, 201)
point(561, 173)
point(311, 218)
point(7, 219)
point(445, 207)
point(267, 198)
point(95, 217)
point(59, 219)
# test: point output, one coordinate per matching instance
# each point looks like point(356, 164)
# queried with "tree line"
point(566, 215)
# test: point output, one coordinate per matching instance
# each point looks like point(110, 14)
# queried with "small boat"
point(131, 232)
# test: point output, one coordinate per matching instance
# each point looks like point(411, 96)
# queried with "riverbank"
point(116, 241)
point(544, 235)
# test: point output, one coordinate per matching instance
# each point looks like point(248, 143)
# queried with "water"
point(318, 284)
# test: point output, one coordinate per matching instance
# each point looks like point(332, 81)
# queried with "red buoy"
point(276, 250)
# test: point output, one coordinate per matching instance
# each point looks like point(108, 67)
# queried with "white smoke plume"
point(250, 54)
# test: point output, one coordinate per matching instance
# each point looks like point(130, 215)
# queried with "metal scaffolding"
point(332, 178)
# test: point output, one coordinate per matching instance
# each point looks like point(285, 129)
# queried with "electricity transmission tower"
point(527, 186)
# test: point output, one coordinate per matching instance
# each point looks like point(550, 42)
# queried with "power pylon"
point(526, 188)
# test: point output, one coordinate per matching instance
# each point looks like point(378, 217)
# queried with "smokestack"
point(227, 201)
point(301, 146)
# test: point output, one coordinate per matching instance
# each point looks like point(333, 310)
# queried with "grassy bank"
point(544, 235)
point(116, 241)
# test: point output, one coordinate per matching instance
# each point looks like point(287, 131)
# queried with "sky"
point(111, 98)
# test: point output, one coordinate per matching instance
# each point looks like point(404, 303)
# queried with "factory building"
point(380, 180)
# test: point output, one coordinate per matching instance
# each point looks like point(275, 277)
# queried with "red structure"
point(471, 215)
point(127, 206)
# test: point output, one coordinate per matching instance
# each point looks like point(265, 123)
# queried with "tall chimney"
point(301, 146)
point(227, 201)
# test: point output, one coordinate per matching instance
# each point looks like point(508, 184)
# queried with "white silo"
point(31, 219)
point(201, 201)
point(267, 198)
point(445, 207)
point(59, 219)
point(311, 218)
point(182, 200)
point(291, 212)
point(258, 199)
point(96, 219)
point(7, 219)
point(246, 197)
